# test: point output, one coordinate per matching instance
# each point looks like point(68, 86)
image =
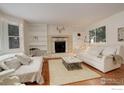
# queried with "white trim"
point(5, 20)
point(59, 39)
point(1, 36)
point(15, 49)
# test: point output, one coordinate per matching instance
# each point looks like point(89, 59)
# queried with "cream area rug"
point(59, 75)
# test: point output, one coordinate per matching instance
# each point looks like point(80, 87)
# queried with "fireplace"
point(60, 46)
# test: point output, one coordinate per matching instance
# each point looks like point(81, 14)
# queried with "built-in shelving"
point(38, 37)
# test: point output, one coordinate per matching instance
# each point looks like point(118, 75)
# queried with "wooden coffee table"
point(72, 63)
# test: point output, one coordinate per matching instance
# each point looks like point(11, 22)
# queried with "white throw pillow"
point(24, 59)
point(95, 51)
point(12, 63)
point(109, 51)
point(3, 65)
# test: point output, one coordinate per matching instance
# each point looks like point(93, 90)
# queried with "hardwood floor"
point(115, 77)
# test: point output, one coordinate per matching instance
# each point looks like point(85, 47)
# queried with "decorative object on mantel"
point(60, 28)
point(121, 34)
point(35, 37)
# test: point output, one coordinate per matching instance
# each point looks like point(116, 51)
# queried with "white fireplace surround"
point(55, 39)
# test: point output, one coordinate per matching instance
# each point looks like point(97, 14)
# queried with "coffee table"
point(72, 63)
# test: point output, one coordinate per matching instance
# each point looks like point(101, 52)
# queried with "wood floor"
point(115, 77)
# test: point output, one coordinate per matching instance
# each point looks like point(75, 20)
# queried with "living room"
point(62, 44)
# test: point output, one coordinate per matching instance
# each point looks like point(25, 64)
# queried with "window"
point(13, 35)
point(101, 34)
point(92, 36)
point(97, 35)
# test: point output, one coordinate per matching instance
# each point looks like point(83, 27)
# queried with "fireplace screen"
point(60, 46)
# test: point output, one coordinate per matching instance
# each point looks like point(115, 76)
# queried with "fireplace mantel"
point(59, 37)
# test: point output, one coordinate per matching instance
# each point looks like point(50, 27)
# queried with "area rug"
point(59, 75)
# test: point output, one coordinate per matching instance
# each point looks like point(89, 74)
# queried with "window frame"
point(95, 36)
point(13, 49)
point(1, 36)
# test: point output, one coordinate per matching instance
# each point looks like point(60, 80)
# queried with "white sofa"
point(101, 57)
point(5, 79)
point(30, 72)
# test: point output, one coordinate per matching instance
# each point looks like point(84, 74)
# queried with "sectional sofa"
point(102, 57)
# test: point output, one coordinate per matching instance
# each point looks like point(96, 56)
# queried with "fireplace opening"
point(60, 46)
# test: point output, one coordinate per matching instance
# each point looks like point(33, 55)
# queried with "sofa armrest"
point(109, 63)
point(109, 56)
point(6, 73)
point(12, 80)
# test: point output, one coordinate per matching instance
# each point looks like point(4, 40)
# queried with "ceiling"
point(82, 14)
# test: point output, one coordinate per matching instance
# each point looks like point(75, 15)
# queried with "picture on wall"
point(121, 34)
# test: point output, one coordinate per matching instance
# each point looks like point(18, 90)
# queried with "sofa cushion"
point(24, 59)
point(3, 65)
point(109, 51)
point(95, 51)
point(92, 57)
point(12, 63)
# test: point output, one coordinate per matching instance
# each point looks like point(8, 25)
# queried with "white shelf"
point(38, 43)
point(39, 31)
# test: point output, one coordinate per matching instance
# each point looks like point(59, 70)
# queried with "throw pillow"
point(3, 65)
point(12, 63)
point(109, 51)
point(95, 51)
point(100, 56)
point(25, 60)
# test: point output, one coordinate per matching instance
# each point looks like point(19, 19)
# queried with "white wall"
point(69, 30)
point(52, 31)
point(112, 24)
point(26, 41)
point(31, 29)
point(4, 20)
